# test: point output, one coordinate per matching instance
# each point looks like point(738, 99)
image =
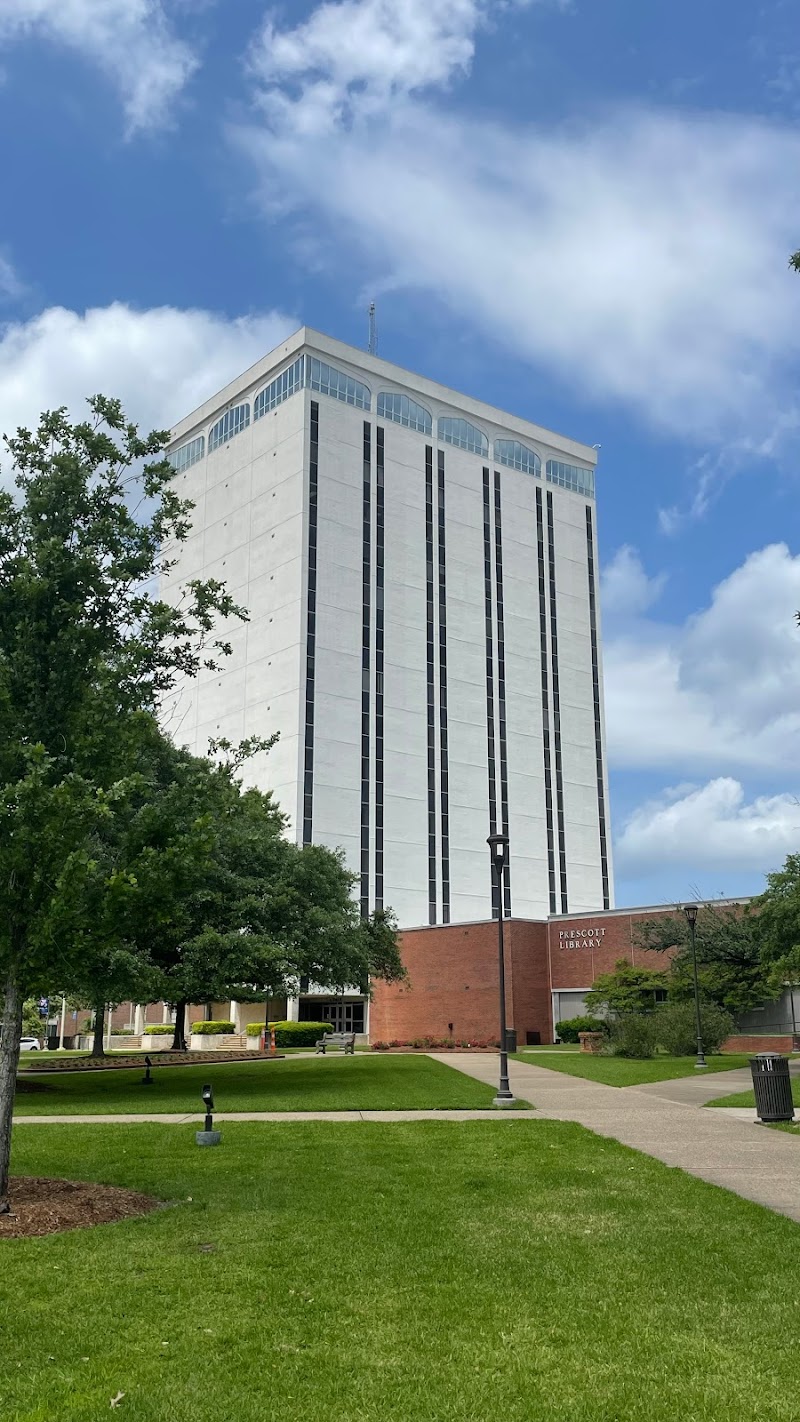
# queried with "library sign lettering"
point(580, 937)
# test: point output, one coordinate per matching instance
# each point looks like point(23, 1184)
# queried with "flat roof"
point(380, 371)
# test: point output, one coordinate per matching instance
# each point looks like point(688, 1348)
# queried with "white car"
point(30, 1044)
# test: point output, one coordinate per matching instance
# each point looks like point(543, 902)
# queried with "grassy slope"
point(334, 1083)
point(618, 1071)
point(430, 1273)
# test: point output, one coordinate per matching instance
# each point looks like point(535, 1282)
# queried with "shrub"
point(569, 1030)
point(380, 1046)
point(299, 1034)
point(213, 1029)
point(677, 1031)
point(159, 1029)
point(395, 1042)
point(632, 1034)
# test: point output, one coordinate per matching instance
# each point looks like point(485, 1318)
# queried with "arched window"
point(404, 412)
point(463, 434)
point(188, 454)
point(330, 381)
point(231, 423)
point(571, 476)
point(517, 456)
point(284, 385)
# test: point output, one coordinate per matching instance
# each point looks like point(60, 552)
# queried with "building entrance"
point(343, 1016)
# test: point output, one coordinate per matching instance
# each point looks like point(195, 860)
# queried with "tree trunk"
point(98, 1050)
point(179, 1039)
point(10, 1035)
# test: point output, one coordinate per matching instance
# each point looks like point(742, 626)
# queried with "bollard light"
point(147, 1079)
point(208, 1136)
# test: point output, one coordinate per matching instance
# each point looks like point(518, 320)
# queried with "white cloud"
point(722, 691)
point(640, 254)
point(708, 827)
point(625, 588)
point(131, 41)
point(357, 57)
point(161, 363)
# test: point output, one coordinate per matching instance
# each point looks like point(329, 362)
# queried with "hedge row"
point(213, 1029)
point(292, 1034)
point(159, 1029)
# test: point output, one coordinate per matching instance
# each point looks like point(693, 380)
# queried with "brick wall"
point(453, 974)
point(581, 948)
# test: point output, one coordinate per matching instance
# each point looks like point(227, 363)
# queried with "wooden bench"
point(346, 1041)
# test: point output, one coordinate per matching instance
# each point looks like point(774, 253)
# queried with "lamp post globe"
point(691, 918)
point(498, 850)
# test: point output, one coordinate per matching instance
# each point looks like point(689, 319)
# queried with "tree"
point(777, 913)
point(85, 644)
point(730, 968)
point(794, 261)
point(256, 913)
point(32, 1023)
point(626, 989)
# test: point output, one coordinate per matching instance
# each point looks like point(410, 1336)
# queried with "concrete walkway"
point(197, 1118)
point(666, 1121)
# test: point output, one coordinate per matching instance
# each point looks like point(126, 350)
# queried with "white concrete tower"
point(422, 579)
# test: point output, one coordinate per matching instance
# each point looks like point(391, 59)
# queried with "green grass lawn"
point(330, 1083)
point(436, 1272)
point(747, 1098)
point(619, 1071)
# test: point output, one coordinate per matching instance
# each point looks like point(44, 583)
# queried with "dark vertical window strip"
point(429, 662)
point(548, 773)
point(488, 616)
point(598, 730)
point(366, 609)
point(379, 626)
point(311, 623)
point(562, 848)
point(501, 681)
point(443, 752)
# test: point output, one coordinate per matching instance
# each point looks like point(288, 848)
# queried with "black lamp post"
point(691, 918)
point(498, 849)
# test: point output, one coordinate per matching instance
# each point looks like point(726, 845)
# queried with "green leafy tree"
point(730, 968)
point(777, 913)
point(33, 1024)
point(626, 989)
point(256, 913)
point(85, 643)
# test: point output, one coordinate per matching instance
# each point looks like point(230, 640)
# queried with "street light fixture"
point(498, 849)
point(691, 918)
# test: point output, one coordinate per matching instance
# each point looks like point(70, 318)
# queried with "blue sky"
point(579, 211)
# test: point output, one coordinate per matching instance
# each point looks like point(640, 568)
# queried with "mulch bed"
point(159, 1059)
point(40, 1206)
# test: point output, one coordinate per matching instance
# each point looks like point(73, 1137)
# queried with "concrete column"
point(292, 1009)
point(165, 1017)
point(234, 1016)
point(138, 1020)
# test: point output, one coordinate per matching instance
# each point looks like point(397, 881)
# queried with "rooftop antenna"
point(373, 331)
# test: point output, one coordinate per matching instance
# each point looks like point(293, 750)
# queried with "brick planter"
point(217, 1042)
point(591, 1042)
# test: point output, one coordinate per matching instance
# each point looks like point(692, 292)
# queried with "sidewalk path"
point(757, 1163)
point(166, 1119)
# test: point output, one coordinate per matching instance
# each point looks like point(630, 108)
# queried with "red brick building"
point(452, 987)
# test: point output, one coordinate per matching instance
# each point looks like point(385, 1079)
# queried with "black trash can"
point(773, 1087)
point(511, 1039)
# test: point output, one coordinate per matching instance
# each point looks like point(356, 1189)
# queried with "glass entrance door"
point(345, 1016)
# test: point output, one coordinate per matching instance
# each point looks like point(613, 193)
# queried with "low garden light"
point(147, 1079)
point(691, 918)
point(208, 1136)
